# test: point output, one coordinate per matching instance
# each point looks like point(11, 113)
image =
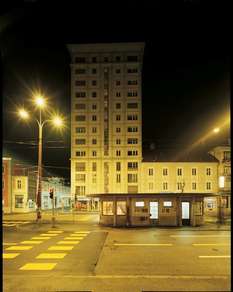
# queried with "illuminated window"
point(121, 207)
point(221, 181)
point(107, 208)
point(139, 204)
point(167, 203)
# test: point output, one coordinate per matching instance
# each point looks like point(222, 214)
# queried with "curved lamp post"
point(57, 121)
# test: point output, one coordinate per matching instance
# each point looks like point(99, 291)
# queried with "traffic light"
point(51, 193)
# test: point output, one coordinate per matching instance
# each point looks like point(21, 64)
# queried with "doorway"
point(185, 206)
point(154, 210)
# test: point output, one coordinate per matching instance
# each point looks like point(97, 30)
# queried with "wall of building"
point(6, 185)
point(20, 194)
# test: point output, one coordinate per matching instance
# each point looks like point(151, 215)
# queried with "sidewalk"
point(92, 218)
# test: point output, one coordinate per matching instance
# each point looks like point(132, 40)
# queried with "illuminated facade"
point(6, 185)
point(106, 149)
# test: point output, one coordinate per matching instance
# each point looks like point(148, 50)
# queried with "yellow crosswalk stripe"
point(51, 256)
point(19, 247)
point(73, 238)
point(68, 242)
point(31, 242)
point(41, 237)
point(81, 235)
point(9, 243)
point(10, 255)
point(53, 231)
point(46, 234)
point(82, 231)
point(60, 247)
point(38, 266)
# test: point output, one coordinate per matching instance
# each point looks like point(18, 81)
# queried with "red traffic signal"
point(51, 193)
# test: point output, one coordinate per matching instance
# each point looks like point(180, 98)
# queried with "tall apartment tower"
point(106, 136)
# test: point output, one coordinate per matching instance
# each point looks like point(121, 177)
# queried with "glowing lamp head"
point(216, 130)
point(57, 121)
point(23, 114)
point(40, 101)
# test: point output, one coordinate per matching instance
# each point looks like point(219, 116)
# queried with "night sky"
point(185, 86)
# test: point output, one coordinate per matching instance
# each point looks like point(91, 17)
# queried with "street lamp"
point(58, 122)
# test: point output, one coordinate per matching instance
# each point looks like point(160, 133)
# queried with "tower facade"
point(106, 143)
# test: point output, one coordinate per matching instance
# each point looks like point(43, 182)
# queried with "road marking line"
point(57, 247)
point(200, 235)
point(46, 234)
point(147, 277)
point(31, 242)
point(210, 244)
point(74, 238)
point(143, 244)
point(58, 231)
point(38, 266)
point(82, 231)
point(9, 225)
point(42, 237)
point(51, 256)
point(19, 247)
point(9, 243)
point(217, 256)
point(81, 235)
point(10, 255)
point(67, 242)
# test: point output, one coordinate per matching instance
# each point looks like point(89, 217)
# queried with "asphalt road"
point(82, 257)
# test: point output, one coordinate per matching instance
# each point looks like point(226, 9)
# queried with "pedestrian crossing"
point(56, 251)
point(9, 223)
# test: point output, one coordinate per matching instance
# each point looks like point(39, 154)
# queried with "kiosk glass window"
point(121, 208)
point(107, 207)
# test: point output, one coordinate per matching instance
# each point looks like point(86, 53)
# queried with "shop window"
point(139, 204)
point(107, 207)
point(121, 208)
point(167, 203)
point(18, 201)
